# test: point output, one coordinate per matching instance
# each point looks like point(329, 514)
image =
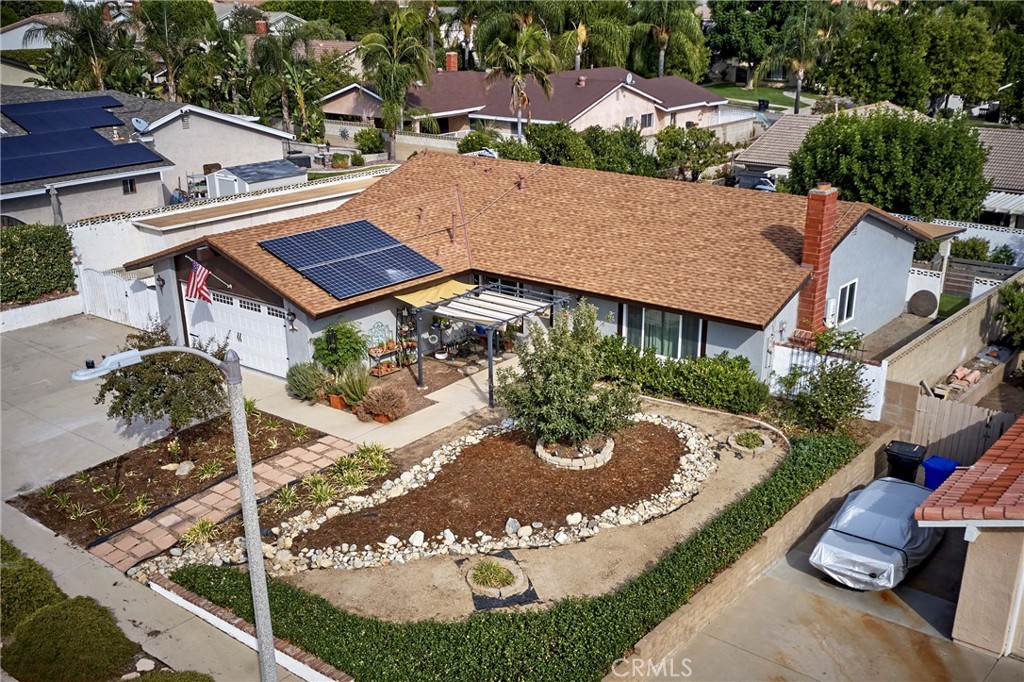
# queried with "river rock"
point(524, 532)
point(574, 518)
point(185, 468)
point(449, 536)
point(416, 539)
point(561, 537)
point(511, 527)
point(391, 540)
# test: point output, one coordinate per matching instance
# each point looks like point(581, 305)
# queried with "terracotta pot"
point(337, 401)
point(381, 418)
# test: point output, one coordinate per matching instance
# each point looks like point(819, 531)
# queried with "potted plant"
point(335, 395)
point(354, 383)
point(384, 403)
point(508, 337)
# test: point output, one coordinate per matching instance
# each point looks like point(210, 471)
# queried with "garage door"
point(255, 330)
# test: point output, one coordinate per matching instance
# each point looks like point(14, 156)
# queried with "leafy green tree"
point(556, 396)
point(962, 57)
point(501, 21)
point(528, 55)
point(1010, 44)
point(882, 56)
point(174, 31)
point(516, 151)
point(28, 8)
point(898, 162)
point(342, 344)
point(595, 29)
point(477, 140)
point(178, 387)
point(745, 30)
point(243, 19)
point(692, 151)
point(559, 145)
point(217, 78)
point(395, 58)
point(621, 150)
point(369, 141)
point(353, 17)
point(832, 393)
point(1011, 313)
point(7, 15)
point(670, 25)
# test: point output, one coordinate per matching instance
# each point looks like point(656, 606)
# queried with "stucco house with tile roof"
point(686, 269)
point(987, 500)
point(606, 97)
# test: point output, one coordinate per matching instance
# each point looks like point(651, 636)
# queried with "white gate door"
point(119, 297)
point(255, 330)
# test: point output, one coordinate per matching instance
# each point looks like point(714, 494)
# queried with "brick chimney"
point(262, 28)
point(107, 17)
point(451, 61)
point(819, 231)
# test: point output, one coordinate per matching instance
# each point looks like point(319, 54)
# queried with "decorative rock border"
point(694, 467)
point(520, 585)
point(598, 459)
point(766, 443)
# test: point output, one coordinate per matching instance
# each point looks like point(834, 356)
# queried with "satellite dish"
point(140, 125)
point(923, 303)
point(629, 78)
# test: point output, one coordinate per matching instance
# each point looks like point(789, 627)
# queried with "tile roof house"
point(186, 137)
point(987, 500)
point(607, 97)
point(687, 269)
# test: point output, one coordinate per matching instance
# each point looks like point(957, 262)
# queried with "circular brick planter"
point(520, 585)
point(766, 443)
point(598, 459)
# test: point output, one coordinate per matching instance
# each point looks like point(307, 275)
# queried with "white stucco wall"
point(206, 141)
point(78, 202)
point(13, 39)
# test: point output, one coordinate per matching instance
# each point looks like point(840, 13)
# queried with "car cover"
point(874, 540)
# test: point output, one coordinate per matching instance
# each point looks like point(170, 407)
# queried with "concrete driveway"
point(795, 624)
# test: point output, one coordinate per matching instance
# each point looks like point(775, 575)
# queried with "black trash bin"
point(762, 105)
point(904, 458)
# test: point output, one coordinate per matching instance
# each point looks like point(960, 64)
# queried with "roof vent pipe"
point(581, 82)
point(521, 183)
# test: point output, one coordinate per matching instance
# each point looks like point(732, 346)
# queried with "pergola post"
point(419, 350)
point(490, 366)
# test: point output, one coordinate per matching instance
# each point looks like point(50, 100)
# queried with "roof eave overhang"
point(57, 184)
point(693, 105)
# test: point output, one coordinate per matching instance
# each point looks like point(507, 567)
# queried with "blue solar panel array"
point(61, 140)
point(350, 259)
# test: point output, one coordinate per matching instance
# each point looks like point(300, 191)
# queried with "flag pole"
point(193, 260)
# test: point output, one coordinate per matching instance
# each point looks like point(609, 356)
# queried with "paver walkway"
point(158, 533)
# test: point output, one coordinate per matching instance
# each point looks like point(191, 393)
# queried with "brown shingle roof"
point(992, 489)
point(48, 18)
point(717, 252)
point(775, 145)
point(1005, 164)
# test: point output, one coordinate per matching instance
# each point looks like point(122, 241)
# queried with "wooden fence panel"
point(956, 430)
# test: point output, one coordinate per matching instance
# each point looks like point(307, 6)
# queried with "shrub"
point(555, 396)
point(1011, 313)
point(339, 161)
point(477, 140)
point(201, 532)
point(516, 151)
point(36, 261)
point(387, 400)
point(76, 640)
point(749, 440)
point(1003, 255)
point(832, 393)
point(489, 573)
point(369, 141)
point(721, 382)
point(306, 381)
point(27, 587)
point(341, 344)
point(354, 383)
point(358, 160)
point(972, 248)
point(535, 645)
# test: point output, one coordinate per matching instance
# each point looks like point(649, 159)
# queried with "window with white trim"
point(672, 120)
point(669, 335)
point(250, 305)
point(221, 298)
point(275, 312)
point(128, 186)
point(629, 121)
point(847, 300)
point(646, 120)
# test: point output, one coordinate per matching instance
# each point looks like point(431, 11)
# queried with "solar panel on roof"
point(99, 101)
point(20, 146)
point(65, 162)
point(350, 259)
point(50, 121)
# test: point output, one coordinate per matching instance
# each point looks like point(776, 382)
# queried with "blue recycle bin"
point(937, 470)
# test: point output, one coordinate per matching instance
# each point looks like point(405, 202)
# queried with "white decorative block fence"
point(924, 280)
point(982, 285)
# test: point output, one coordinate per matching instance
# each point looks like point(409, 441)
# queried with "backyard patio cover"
point(436, 293)
point(488, 307)
point(1004, 202)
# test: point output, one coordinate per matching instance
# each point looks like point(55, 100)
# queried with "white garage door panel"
point(256, 331)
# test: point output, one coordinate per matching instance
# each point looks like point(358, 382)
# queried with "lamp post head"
point(109, 364)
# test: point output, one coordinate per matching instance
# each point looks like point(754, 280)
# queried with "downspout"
point(58, 216)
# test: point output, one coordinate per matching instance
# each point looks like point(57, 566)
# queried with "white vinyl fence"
point(119, 297)
point(786, 358)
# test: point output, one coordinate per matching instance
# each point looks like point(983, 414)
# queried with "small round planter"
point(520, 585)
point(766, 443)
point(598, 459)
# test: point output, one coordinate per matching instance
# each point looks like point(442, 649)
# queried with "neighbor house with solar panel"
point(682, 268)
point(68, 156)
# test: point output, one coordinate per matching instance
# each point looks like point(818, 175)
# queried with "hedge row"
point(27, 587)
point(721, 382)
point(36, 261)
point(576, 639)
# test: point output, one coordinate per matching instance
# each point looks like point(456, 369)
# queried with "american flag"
point(196, 285)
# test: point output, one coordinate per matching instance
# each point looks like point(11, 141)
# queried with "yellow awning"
point(435, 293)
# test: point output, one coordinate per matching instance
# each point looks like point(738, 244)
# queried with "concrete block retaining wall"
point(676, 630)
point(39, 313)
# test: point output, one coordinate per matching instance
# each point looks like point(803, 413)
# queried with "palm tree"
point(502, 20)
point(173, 41)
point(529, 54)
point(667, 23)
point(467, 14)
point(593, 26)
point(396, 58)
point(86, 39)
point(221, 73)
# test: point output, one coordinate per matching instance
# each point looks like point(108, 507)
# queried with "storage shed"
point(250, 177)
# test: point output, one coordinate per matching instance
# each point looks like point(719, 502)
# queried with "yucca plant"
point(354, 383)
point(140, 505)
point(353, 480)
point(113, 491)
point(101, 525)
point(286, 498)
point(48, 491)
point(300, 432)
point(201, 532)
point(211, 468)
point(321, 493)
point(77, 510)
point(63, 500)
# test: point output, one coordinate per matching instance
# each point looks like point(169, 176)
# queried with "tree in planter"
point(342, 344)
point(180, 387)
point(555, 396)
point(833, 393)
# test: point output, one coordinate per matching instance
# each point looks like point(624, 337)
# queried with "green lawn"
point(774, 96)
point(949, 304)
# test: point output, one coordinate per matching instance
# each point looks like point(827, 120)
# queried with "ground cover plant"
point(27, 587)
point(576, 639)
point(123, 490)
point(489, 573)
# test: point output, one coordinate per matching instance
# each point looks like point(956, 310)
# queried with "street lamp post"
point(232, 370)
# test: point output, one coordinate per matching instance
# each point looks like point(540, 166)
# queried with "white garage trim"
point(254, 329)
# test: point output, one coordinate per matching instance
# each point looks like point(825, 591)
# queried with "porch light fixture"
point(291, 321)
point(160, 282)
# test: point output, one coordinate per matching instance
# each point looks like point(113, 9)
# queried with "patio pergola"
point(487, 307)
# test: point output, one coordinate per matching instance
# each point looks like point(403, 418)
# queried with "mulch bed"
point(502, 477)
point(140, 473)
point(436, 375)
point(52, 296)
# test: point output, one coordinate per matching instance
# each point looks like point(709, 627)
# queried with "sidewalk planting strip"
point(152, 536)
